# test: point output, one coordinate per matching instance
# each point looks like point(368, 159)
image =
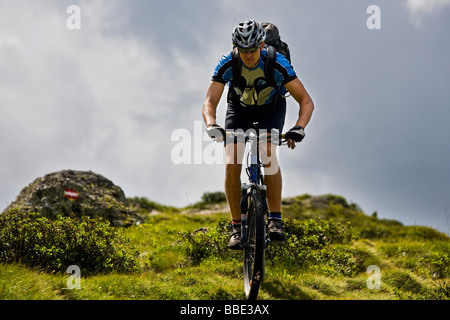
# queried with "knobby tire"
point(254, 251)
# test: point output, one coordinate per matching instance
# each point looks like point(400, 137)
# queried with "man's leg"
point(233, 189)
point(234, 153)
point(274, 188)
point(273, 181)
point(272, 176)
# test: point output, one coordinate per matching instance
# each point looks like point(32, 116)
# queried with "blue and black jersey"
point(253, 89)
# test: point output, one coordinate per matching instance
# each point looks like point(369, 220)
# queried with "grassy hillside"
point(181, 253)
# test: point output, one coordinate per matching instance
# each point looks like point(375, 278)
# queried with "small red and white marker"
point(71, 194)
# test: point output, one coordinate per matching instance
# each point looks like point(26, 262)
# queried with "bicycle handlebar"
point(241, 136)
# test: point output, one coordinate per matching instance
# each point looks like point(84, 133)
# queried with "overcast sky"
point(109, 97)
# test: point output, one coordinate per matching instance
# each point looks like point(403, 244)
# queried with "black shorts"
point(268, 117)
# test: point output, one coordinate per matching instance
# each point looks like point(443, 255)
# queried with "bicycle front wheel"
point(254, 250)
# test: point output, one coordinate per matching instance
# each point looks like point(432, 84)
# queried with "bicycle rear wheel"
point(254, 250)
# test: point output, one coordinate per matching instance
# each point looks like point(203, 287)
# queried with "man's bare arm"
point(213, 95)
point(299, 93)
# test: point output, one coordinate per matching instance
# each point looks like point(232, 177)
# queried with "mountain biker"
point(253, 98)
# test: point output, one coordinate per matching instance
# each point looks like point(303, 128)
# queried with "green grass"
point(330, 246)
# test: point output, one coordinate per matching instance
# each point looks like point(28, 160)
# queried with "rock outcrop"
point(76, 194)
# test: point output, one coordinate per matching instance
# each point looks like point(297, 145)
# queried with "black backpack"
point(273, 45)
point(273, 39)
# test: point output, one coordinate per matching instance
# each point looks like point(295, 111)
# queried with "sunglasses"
point(251, 50)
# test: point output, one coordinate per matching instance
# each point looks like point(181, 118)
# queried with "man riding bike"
point(252, 97)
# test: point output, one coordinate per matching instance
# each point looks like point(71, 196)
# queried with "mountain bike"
point(254, 238)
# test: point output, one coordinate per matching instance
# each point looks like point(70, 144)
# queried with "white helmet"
point(248, 34)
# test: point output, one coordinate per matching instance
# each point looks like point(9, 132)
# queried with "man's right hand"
point(216, 132)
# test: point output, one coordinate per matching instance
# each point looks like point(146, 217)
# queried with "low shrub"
point(143, 206)
point(316, 244)
point(53, 245)
point(309, 243)
point(206, 242)
point(214, 197)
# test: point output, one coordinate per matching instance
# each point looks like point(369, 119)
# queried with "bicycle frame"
point(256, 184)
point(253, 168)
point(254, 164)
